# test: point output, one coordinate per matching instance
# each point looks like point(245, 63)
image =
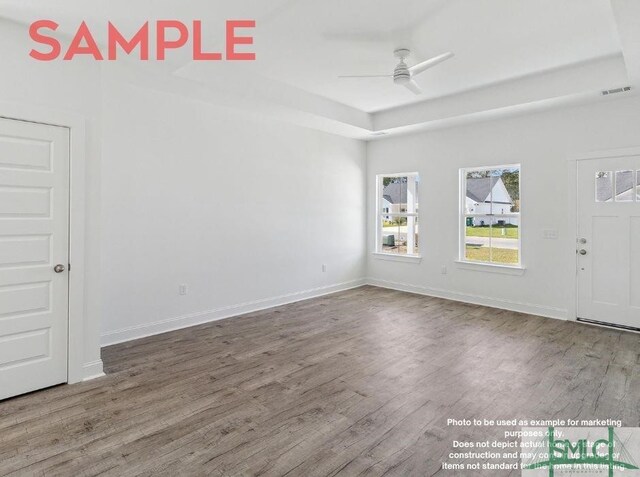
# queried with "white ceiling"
point(303, 45)
point(312, 42)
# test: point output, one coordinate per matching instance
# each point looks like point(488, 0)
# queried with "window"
point(490, 215)
point(625, 187)
point(604, 186)
point(397, 214)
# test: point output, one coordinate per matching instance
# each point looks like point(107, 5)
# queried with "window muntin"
point(490, 217)
point(397, 216)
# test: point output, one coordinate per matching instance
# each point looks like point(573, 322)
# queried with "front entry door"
point(34, 238)
point(608, 242)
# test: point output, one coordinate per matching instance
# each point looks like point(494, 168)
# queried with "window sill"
point(517, 270)
point(397, 258)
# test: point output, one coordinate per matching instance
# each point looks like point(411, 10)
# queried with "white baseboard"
point(192, 319)
point(92, 370)
point(528, 308)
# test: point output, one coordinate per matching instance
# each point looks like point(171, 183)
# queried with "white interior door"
point(34, 238)
point(609, 241)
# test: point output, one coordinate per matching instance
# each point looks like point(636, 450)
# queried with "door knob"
point(582, 252)
point(59, 268)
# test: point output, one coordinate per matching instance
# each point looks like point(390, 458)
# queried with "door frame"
point(77, 192)
point(572, 309)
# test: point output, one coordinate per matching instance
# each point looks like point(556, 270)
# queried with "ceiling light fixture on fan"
point(403, 74)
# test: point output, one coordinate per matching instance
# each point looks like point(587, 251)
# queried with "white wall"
point(541, 143)
point(69, 87)
point(244, 211)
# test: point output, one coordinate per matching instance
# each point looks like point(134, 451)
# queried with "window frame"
point(462, 218)
point(380, 213)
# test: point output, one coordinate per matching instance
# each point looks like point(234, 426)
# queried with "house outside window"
point(397, 214)
point(490, 215)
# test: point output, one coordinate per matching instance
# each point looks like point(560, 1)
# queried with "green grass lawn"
point(500, 255)
point(511, 231)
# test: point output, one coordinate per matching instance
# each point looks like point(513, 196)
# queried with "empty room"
point(320, 238)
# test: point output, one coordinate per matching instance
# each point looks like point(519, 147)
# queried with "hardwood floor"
point(356, 383)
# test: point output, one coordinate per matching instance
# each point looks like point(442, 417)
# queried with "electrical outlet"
point(182, 289)
point(324, 267)
point(443, 270)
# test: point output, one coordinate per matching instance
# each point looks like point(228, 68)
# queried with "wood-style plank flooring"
point(357, 383)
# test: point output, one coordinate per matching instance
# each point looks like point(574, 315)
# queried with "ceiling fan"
point(403, 74)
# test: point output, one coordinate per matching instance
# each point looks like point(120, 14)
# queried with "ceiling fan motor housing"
point(401, 73)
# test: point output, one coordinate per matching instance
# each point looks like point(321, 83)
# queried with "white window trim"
point(395, 257)
point(378, 253)
point(491, 267)
point(515, 269)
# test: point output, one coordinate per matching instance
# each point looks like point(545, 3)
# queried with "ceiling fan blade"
point(413, 87)
point(425, 65)
point(367, 76)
